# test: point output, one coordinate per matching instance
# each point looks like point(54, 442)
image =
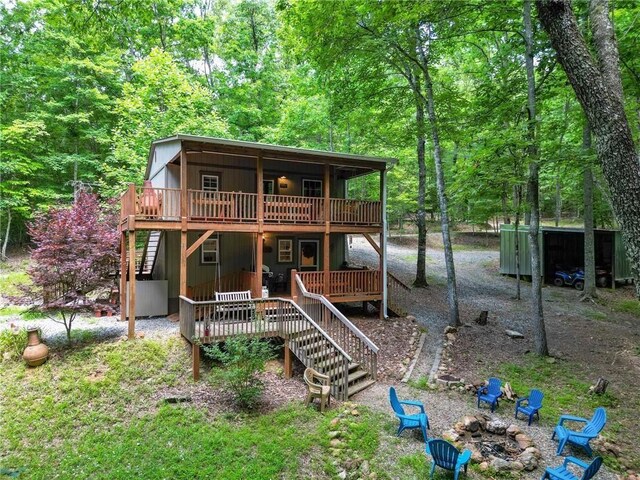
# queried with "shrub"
point(242, 358)
point(13, 341)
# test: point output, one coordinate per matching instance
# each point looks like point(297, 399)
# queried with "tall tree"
point(533, 190)
point(599, 95)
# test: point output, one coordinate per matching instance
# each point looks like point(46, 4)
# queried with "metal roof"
point(265, 147)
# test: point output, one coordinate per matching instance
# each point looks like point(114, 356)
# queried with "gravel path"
point(103, 328)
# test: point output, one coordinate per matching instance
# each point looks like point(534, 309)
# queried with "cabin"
point(249, 238)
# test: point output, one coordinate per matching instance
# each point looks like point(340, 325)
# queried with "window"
point(210, 251)
point(312, 188)
point(285, 250)
point(210, 183)
point(268, 187)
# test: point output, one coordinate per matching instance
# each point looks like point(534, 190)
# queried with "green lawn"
point(92, 411)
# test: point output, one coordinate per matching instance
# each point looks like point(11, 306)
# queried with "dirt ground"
point(592, 338)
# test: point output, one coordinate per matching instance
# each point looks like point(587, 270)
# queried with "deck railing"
point(231, 282)
point(344, 283)
point(211, 321)
point(356, 212)
point(151, 203)
point(340, 328)
point(222, 207)
point(293, 209)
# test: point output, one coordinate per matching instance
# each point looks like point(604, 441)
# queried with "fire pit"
point(494, 443)
point(449, 380)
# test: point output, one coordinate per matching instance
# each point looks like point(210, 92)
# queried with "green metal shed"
point(563, 246)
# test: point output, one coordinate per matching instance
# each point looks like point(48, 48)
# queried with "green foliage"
point(242, 358)
point(628, 306)
point(13, 341)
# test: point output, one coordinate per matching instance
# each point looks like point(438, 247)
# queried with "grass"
point(628, 306)
point(92, 412)
point(10, 282)
point(16, 310)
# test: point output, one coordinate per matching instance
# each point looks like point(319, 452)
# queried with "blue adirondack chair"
point(533, 404)
point(409, 421)
point(581, 439)
point(490, 394)
point(563, 473)
point(447, 456)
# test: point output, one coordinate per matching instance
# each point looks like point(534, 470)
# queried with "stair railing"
point(340, 328)
point(395, 287)
point(214, 321)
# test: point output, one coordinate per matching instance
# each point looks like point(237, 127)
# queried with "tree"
point(598, 90)
point(533, 190)
point(76, 250)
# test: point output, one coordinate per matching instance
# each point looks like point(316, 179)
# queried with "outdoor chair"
point(317, 387)
point(490, 393)
point(563, 473)
point(447, 456)
point(409, 421)
point(236, 304)
point(530, 405)
point(580, 439)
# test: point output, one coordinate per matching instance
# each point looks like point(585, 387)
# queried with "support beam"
point(326, 256)
point(288, 361)
point(373, 243)
point(183, 183)
point(383, 245)
point(195, 360)
point(294, 286)
point(132, 285)
point(199, 242)
point(259, 261)
point(123, 277)
point(183, 263)
point(260, 190)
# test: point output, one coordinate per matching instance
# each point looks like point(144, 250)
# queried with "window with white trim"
point(210, 183)
point(311, 188)
point(210, 251)
point(285, 250)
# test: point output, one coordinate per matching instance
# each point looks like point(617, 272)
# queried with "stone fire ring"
point(494, 443)
point(449, 380)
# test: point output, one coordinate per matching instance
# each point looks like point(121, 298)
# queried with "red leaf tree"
point(76, 250)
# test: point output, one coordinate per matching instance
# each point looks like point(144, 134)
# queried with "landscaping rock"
point(528, 460)
point(497, 427)
point(534, 451)
point(484, 466)
point(342, 474)
point(476, 455)
point(513, 430)
point(334, 434)
point(500, 465)
point(514, 334)
point(364, 468)
point(459, 428)
point(482, 421)
point(451, 436)
point(336, 443)
point(524, 441)
point(450, 329)
point(355, 413)
point(517, 466)
point(335, 421)
point(470, 423)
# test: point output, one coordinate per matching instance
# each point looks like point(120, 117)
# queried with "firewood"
point(508, 392)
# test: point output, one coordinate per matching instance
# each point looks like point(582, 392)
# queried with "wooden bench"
point(240, 303)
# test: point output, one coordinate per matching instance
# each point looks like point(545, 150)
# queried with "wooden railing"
point(339, 328)
point(231, 282)
point(356, 212)
point(209, 322)
point(293, 209)
point(231, 207)
point(343, 283)
point(150, 203)
point(396, 290)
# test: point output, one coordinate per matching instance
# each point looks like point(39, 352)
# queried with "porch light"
point(283, 177)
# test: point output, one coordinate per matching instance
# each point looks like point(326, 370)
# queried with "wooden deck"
point(162, 209)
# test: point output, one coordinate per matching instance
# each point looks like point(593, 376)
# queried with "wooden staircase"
point(396, 289)
point(146, 258)
point(314, 351)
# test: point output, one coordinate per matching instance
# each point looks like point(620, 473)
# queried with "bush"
point(242, 357)
point(13, 341)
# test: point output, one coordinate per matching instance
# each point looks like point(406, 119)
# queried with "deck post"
point(383, 244)
point(195, 360)
point(288, 361)
point(183, 259)
point(183, 182)
point(131, 333)
point(259, 260)
point(326, 255)
point(294, 285)
point(123, 277)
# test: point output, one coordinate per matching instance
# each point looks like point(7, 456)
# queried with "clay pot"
point(36, 352)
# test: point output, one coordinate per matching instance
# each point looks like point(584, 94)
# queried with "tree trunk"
point(452, 291)
point(558, 199)
point(589, 239)
point(605, 114)
point(6, 236)
point(533, 188)
point(517, 200)
point(421, 277)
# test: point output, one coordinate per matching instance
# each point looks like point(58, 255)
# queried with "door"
point(308, 255)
